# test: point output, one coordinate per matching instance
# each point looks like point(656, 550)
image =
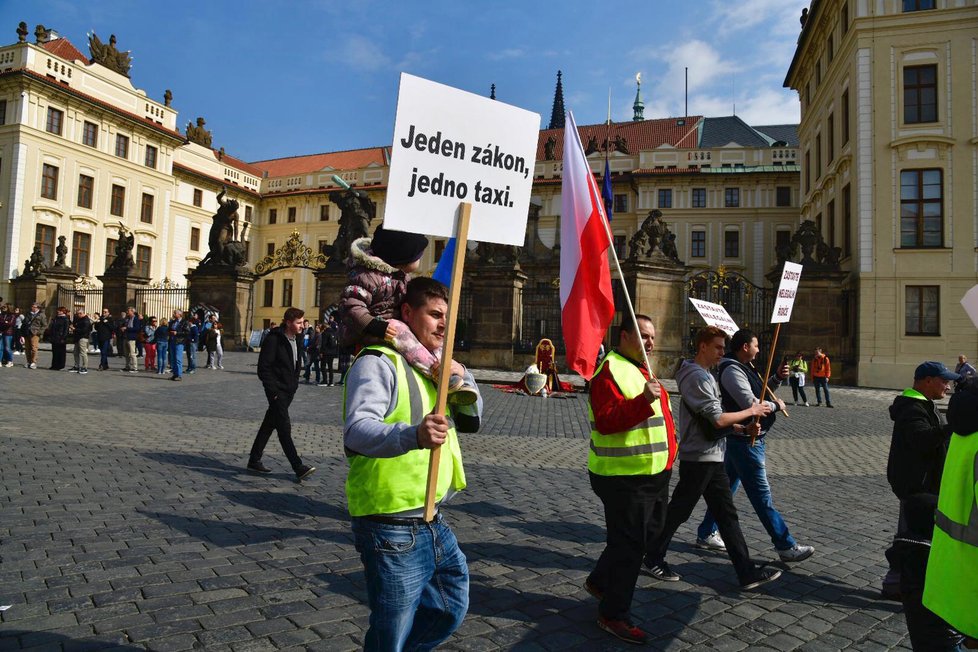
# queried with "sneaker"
point(220, 366)
point(806, 404)
point(304, 471)
point(593, 590)
point(828, 405)
point(818, 405)
point(759, 577)
point(463, 395)
point(712, 542)
point(134, 371)
point(258, 467)
point(796, 553)
point(73, 370)
point(175, 378)
point(83, 371)
point(623, 630)
point(661, 571)
point(320, 384)
point(192, 371)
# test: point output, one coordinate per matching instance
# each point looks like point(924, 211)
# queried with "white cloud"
point(362, 54)
point(773, 17)
point(507, 54)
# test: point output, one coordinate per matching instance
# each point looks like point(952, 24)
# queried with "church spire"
point(638, 108)
point(557, 114)
point(492, 92)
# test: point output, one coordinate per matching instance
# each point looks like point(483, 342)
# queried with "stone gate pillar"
point(230, 290)
point(28, 289)
point(331, 281)
point(496, 298)
point(119, 289)
point(657, 290)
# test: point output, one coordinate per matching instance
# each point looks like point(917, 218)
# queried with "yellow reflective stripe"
point(628, 451)
point(651, 422)
point(963, 533)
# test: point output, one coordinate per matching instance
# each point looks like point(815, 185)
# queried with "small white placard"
point(787, 289)
point(970, 304)
point(451, 146)
point(715, 315)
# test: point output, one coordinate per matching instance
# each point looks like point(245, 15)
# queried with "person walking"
point(59, 340)
point(821, 372)
point(329, 349)
point(704, 426)
point(633, 446)
point(964, 369)
point(81, 331)
point(35, 324)
point(799, 368)
point(278, 370)
point(104, 326)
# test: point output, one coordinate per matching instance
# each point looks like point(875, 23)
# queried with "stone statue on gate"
point(34, 266)
point(808, 247)
point(225, 248)
point(654, 240)
point(356, 213)
point(123, 261)
point(108, 55)
point(61, 252)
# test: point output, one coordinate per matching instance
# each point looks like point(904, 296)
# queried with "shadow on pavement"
point(290, 505)
point(230, 533)
point(21, 639)
point(563, 530)
point(482, 508)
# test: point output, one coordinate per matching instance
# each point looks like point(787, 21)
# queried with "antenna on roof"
point(733, 91)
point(686, 93)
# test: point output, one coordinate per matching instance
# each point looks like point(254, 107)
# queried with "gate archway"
point(750, 305)
point(294, 253)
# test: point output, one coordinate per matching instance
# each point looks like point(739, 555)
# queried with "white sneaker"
point(712, 542)
point(32, 366)
point(806, 404)
point(796, 553)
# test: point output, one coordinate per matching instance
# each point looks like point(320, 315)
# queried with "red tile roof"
point(643, 135)
point(233, 162)
point(64, 48)
point(348, 160)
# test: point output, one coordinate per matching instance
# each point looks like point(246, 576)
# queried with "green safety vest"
point(951, 587)
point(642, 450)
point(388, 485)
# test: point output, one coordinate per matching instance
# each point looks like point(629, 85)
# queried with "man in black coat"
point(278, 369)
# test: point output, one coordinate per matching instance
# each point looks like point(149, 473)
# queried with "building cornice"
point(220, 182)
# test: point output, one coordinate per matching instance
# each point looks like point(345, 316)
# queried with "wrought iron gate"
point(72, 298)
point(160, 301)
point(749, 305)
point(540, 319)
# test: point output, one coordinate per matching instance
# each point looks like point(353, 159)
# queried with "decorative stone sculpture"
point(356, 213)
point(654, 240)
point(805, 242)
point(62, 253)
point(491, 253)
point(35, 266)
point(22, 32)
point(124, 261)
point(224, 246)
point(199, 134)
point(550, 149)
point(592, 146)
point(167, 97)
point(108, 55)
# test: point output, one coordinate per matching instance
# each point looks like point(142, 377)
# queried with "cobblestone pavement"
point(127, 521)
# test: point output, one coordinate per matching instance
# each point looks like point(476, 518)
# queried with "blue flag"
point(443, 271)
point(606, 190)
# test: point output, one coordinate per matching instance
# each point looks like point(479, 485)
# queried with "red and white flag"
point(586, 301)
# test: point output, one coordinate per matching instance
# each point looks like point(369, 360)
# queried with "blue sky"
point(277, 79)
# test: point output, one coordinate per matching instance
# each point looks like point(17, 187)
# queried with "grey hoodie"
point(698, 413)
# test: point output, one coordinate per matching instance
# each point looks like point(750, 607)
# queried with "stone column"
point(332, 280)
point(230, 290)
point(57, 277)
point(496, 310)
point(119, 289)
point(656, 288)
point(28, 289)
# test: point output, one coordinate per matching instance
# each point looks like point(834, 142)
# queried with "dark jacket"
point(133, 331)
point(103, 329)
point(179, 331)
point(371, 297)
point(82, 328)
point(59, 330)
point(277, 368)
point(918, 446)
point(329, 344)
point(162, 333)
point(34, 324)
point(729, 364)
point(8, 323)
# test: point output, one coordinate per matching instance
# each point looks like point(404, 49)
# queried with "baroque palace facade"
point(889, 135)
point(82, 149)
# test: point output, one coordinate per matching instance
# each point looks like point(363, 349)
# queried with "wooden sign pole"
point(767, 373)
point(444, 369)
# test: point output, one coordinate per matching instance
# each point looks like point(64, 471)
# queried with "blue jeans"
point(417, 583)
point(745, 465)
point(191, 356)
point(820, 384)
point(176, 360)
point(161, 357)
point(104, 348)
point(6, 348)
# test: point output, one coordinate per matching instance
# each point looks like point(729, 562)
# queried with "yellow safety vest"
point(951, 587)
point(388, 485)
point(642, 450)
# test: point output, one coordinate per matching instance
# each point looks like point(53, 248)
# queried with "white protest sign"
point(715, 315)
point(970, 304)
point(451, 146)
point(786, 293)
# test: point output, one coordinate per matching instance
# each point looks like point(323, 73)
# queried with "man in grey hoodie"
point(703, 427)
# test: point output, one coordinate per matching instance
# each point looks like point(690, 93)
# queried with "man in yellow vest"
point(951, 585)
point(417, 578)
point(633, 445)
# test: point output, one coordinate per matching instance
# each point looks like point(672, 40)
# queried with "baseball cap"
point(931, 368)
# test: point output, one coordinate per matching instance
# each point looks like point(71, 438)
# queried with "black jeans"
point(277, 419)
point(634, 514)
point(59, 354)
point(797, 389)
point(327, 367)
point(709, 480)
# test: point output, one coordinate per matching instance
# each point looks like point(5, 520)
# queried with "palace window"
point(665, 197)
point(830, 136)
point(619, 242)
point(830, 215)
point(621, 204)
point(144, 256)
point(847, 221)
point(291, 216)
point(118, 204)
point(198, 197)
point(151, 153)
point(55, 120)
point(81, 249)
point(44, 238)
point(808, 171)
point(783, 196)
point(324, 212)
point(923, 308)
point(90, 134)
point(110, 244)
point(917, 5)
point(194, 238)
point(731, 244)
point(3, 112)
point(920, 94)
point(268, 294)
point(697, 247)
point(844, 17)
point(286, 292)
point(921, 208)
point(247, 213)
point(269, 248)
point(845, 116)
point(86, 190)
point(49, 181)
point(272, 215)
point(782, 239)
point(818, 156)
point(699, 198)
point(122, 146)
point(146, 210)
point(731, 197)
